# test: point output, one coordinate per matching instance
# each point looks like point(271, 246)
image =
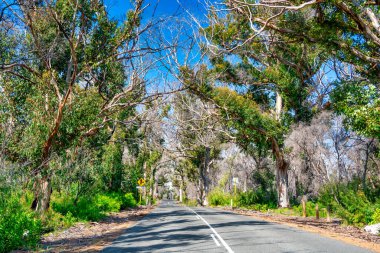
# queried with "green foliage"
point(128, 201)
point(88, 208)
point(349, 203)
point(246, 119)
point(310, 209)
point(52, 220)
point(218, 198)
point(108, 203)
point(19, 227)
point(258, 197)
point(360, 103)
point(376, 216)
point(85, 208)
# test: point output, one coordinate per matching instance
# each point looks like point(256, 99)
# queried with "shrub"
point(218, 198)
point(108, 202)
point(349, 203)
point(128, 201)
point(251, 198)
point(248, 198)
point(190, 202)
point(85, 209)
point(89, 208)
point(310, 209)
point(376, 216)
point(19, 227)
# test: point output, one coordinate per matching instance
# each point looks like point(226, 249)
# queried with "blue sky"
point(156, 8)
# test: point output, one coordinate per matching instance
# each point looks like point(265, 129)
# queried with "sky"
point(160, 9)
point(155, 8)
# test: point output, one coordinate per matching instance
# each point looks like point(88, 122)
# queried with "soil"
point(93, 236)
point(334, 229)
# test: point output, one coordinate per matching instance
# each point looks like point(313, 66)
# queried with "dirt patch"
point(349, 234)
point(94, 236)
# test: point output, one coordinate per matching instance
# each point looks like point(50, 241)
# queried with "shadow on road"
point(173, 231)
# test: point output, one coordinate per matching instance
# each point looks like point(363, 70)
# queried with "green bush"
point(258, 200)
point(89, 208)
point(248, 198)
point(218, 198)
point(128, 201)
point(52, 220)
point(108, 202)
point(19, 227)
point(376, 216)
point(85, 209)
point(310, 209)
point(349, 203)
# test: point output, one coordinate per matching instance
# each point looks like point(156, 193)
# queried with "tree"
point(198, 133)
point(347, 30)
point(67, 83)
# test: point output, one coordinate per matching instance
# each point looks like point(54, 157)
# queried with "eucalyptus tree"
point(70, 78)
point(348, 31)
point(198, 134)
point(271, 77)
point(287, 43)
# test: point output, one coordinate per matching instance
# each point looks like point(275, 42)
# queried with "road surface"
point(174, 228)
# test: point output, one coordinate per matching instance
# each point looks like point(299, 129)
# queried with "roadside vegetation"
point(21, 227)
point(345, 202)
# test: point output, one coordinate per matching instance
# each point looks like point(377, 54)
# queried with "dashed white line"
point(229, 250)
point(215, 240)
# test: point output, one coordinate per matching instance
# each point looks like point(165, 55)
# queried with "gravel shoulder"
point(349, 234)
point(93, 236)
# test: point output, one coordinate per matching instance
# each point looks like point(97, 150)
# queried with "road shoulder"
point(94, 236)
point(348, 234)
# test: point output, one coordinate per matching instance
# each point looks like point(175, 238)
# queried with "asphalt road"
point(174, 228)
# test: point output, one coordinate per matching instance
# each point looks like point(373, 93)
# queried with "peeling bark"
point(281, 175)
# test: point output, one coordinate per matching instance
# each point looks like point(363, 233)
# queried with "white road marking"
point(215, 240)
point(229, 250)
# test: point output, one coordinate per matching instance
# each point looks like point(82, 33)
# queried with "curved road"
point(174, 228)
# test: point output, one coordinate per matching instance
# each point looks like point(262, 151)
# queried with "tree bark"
point(204, 176)
point(365, 169)
point(281, 164)
point(281, 175)
point(42, 194)
point(278, 106)
point(282, 187)
point(155, 191)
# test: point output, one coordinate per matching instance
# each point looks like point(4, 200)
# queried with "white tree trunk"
point(278, 106)
point(282, 188)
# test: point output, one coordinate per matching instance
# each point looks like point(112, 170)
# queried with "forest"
point(257, 104)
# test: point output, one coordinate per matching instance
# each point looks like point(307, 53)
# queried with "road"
point(174, 228)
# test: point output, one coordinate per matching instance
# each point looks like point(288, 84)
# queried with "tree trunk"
point(151, 183)
point(155, 191)
point(204, 176)
point(42, 194)
point(281, 164)
point(281, 175)
point(278, 106)
point(365, 169)
point(282, 187)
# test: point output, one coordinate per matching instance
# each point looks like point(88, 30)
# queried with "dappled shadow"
point(79, 236)
point(171, 229)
